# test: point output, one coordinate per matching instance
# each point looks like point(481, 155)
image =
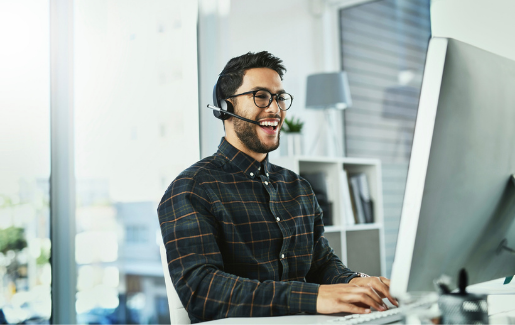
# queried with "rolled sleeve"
point(303, 297)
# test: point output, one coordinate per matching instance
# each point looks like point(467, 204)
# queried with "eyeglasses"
point(263, 98)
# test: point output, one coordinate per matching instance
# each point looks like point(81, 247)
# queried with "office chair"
point(178, 315)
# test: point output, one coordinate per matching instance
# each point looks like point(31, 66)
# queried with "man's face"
point(262, 138)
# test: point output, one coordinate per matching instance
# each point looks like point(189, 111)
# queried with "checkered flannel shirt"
point(245, 238)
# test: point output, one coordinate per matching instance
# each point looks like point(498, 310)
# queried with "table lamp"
point(328, 91)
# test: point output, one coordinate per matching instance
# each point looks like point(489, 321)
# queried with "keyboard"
point(392, 315)
point(385, 317)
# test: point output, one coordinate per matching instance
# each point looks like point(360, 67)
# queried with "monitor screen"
point(459, 203)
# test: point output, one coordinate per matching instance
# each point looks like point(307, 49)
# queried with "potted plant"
point(292, 129)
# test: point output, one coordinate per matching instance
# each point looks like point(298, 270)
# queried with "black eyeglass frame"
point(254, 92)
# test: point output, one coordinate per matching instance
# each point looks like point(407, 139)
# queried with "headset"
point(224, 108)
point(224, 105)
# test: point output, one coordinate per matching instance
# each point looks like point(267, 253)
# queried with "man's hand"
point(381, 285)
point(348, 298)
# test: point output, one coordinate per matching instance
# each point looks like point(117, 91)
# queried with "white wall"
point(487, 24)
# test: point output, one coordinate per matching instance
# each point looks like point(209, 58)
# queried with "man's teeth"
point(269, 123)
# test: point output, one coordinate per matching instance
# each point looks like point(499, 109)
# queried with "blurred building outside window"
point(25, 271)
point(136, 123)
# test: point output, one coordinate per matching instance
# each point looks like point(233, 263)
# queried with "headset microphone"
point(222, 111)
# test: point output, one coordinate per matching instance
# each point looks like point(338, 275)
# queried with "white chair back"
point(178, 315)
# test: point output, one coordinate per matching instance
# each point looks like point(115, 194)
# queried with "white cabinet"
point(360, 246)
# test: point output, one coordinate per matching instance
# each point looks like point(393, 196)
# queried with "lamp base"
point(327, 137)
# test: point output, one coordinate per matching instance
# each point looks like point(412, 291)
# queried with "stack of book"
point(357, 205)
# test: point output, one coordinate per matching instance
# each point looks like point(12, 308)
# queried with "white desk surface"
point(291, 319)
point(501, 308)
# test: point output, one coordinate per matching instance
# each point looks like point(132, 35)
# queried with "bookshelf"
point(360, 246)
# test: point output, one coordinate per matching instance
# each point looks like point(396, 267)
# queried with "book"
point(365, 199)
point(354, 210)
point(354, 185)
point(346, 204)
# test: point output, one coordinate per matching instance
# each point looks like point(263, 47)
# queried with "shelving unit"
point(360, 246)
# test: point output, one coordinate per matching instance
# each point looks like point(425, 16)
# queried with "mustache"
point(277, 116)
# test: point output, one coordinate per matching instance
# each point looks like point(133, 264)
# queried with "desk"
point(501, 310)
point(291, 319)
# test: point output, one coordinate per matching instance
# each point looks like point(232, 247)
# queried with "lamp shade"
point(328, 91)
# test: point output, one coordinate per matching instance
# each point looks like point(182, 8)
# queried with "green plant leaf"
point(292, 126)
point(12, 239)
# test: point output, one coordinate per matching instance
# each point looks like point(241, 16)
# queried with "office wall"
point(487, 24)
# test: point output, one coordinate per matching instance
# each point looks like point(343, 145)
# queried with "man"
point(245, 237)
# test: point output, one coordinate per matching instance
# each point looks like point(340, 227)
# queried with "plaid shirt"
point(245, 238)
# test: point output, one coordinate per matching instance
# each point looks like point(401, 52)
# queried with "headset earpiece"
point(227, 105)
point(223, 104)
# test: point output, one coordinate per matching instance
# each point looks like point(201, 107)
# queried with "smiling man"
point(244, 237)
point(254, 99)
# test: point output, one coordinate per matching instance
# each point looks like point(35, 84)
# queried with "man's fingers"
point(386, 281)
point(351, 308)
point(368, 297)
point(390, 298)
point(370, 291)
point(384, 289)
point(350, 298)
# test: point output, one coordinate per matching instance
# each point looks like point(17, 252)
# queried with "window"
point(136, 234)
point(136, 128)
point(25, 271)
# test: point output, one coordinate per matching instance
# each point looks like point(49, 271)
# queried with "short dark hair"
point(231, 77)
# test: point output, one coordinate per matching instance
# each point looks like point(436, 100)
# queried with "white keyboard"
point(392, 315)
point(376, 317)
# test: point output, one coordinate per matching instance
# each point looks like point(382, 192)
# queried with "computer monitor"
point(459, 204)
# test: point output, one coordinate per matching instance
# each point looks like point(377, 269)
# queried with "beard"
point(247, 134)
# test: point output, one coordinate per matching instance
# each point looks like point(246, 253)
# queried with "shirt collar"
point(242, 161)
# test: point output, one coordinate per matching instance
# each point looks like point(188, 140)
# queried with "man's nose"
point(273, 107)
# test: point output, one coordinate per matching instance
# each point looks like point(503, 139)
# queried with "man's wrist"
point(358, 275)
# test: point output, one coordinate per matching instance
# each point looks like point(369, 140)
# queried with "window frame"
point(62, 175)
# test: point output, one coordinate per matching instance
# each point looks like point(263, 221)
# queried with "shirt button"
point(266, 183)
point(267, 175)
point(282, 255)
point(252, 174)
point(278, 219)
